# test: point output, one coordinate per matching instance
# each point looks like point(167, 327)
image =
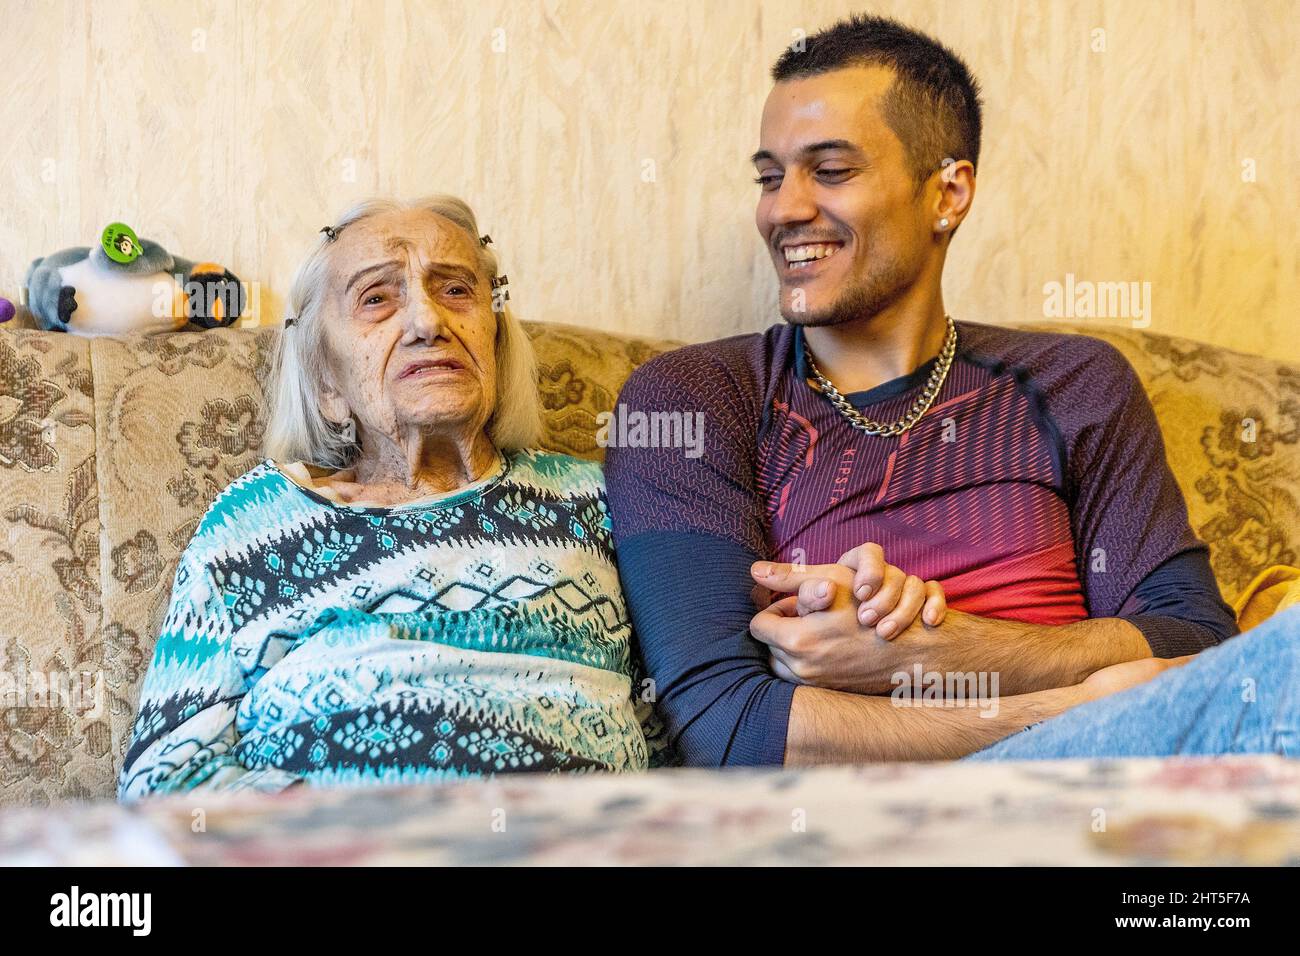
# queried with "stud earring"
point(943, 223)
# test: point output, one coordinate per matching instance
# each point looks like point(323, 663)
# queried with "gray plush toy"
point(129, 285)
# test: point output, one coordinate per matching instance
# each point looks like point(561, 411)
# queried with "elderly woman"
point(404, 590)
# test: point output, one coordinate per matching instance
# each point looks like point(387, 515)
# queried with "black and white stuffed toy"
point(129, 285)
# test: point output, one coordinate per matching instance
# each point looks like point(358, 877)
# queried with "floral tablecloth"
point(1203, 811)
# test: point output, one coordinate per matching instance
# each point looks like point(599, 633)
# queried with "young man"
point(1024, 472)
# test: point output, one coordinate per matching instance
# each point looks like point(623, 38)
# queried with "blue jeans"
point(1241, 697)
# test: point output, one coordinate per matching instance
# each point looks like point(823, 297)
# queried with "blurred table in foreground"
point(1243, 810)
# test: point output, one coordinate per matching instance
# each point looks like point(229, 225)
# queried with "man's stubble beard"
point(858, 300)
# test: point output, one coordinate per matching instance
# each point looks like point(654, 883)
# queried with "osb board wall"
point(604, 144)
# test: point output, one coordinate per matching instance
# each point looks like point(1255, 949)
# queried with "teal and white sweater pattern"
point(478, 632)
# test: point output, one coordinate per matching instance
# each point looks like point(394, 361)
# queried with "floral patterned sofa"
point(112, 449)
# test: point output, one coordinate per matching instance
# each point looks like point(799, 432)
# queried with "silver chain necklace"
point(919, 407)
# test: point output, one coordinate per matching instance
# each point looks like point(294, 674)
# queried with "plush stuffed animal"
point(129, 285)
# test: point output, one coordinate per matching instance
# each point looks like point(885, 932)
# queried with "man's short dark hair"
point(933, 105)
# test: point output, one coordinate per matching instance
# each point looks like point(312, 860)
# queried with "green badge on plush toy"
point(120, 242)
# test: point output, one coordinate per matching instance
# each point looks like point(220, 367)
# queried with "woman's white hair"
point(297, 429)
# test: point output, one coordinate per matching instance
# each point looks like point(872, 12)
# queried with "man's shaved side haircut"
point(933, 105)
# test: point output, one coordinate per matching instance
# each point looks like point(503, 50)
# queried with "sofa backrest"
point(111, 450)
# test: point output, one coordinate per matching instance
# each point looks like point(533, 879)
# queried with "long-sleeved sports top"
point(1035, 488)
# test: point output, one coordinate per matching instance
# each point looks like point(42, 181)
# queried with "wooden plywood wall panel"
point(604, 145)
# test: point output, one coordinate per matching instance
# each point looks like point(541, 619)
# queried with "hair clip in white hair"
point(330, 233)
point(485, 240)
point(289, 321)
point(502, 283)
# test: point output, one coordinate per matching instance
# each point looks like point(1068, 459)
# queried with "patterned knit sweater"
point(481, 631)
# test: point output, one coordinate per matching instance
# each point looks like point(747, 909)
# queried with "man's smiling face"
point(839, 208)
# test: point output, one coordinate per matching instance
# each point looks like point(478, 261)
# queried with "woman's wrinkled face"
point(409, 328)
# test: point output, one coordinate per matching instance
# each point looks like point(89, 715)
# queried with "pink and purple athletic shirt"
point(1034, 489)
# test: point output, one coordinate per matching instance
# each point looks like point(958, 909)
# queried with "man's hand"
point(890, 598)
point(1118, 677)
point(816, 634)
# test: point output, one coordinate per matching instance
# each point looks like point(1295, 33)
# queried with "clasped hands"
point(855, 625)
point(847, 626)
